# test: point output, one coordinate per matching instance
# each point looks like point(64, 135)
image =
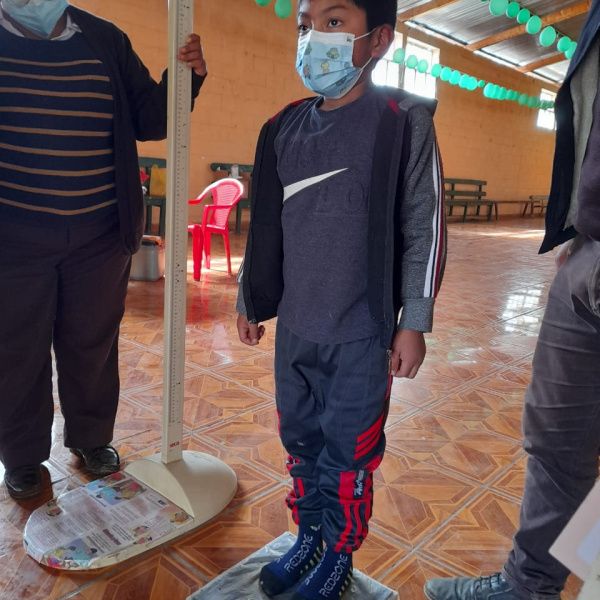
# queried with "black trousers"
point(62, 287)
point(333, 402)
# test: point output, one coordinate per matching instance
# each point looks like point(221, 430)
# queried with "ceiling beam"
point(552, 18)
point(417, 11)
point(542, 62)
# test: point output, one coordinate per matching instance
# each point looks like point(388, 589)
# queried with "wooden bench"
point(474, 196)
point(531, 204)
point(539, 202)
point(245, 175)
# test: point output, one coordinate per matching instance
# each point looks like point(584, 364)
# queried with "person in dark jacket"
point(347, 232)
point(562, 406)
point(74, 98)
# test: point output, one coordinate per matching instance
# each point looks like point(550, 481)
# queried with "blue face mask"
point(324, 63)
point(38, 16)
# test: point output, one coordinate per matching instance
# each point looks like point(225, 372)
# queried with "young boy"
point(347, 231)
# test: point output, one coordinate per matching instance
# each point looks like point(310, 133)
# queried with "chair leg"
point(162, 220)
point(238, 219)
point(148, 226)
point(207, 240)
point(227, 251)
point(465, 213)
point(197, 245)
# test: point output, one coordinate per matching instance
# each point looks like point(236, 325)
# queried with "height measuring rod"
point(198, 483)
point(181, 19)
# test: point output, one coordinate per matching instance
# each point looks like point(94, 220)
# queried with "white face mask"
point(38, 16)
point(324, 63)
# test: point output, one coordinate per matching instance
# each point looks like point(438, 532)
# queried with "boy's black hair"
point(379, 12)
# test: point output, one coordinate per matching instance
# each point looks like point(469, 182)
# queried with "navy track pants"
point(333, 402)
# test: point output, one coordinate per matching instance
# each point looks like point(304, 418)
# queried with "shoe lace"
point(489, 582)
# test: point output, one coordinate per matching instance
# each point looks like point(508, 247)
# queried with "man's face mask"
point(324, 63)
point(38, 16)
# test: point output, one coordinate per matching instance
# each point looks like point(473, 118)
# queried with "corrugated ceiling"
point(470, 22)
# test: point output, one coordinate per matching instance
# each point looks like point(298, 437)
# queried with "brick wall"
point(251, 57)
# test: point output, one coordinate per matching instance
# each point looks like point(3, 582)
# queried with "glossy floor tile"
point(447, 494)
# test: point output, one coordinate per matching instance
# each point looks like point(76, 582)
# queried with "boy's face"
point(336, 16)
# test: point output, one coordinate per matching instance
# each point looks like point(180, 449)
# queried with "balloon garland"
point(548, 36)
point(283, 8)
point(469, 83)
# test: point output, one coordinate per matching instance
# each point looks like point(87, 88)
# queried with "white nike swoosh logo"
point(294, 188)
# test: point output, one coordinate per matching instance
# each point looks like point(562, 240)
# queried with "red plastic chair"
point(226, 193)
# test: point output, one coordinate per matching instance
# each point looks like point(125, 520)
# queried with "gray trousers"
point(561, 423)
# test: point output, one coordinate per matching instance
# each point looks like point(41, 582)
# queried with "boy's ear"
point(381, 40)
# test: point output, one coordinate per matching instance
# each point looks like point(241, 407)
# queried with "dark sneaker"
point(494, 587)
point(100, 461)
point(24, 482)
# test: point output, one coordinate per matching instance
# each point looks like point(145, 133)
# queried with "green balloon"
point(464, 81)
point(455, 77)
point(523, 98)
point(548, 36)
point(488, 89)
point(523, 16)
point(436, 70)
point(445, 74)
point(513, 10)
point(481, 83)
point(283, 8)
point(513, 95)
point(564, 43)
point(571, 51)
point(531, 102)
point(502, 95)
point(399, 55)
point(412, 61)
point(473, 83)
point(263, 2)
point(498, 7)
point(534, 25)
point(423, 66)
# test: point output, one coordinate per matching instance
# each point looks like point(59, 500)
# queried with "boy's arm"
point(423, 225)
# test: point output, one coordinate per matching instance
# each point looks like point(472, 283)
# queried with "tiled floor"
point(447, 497)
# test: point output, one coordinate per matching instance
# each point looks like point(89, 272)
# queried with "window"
point(546, 118)
point(387, 72)
point(422, 84)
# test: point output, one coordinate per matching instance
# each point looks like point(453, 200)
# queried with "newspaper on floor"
point(104, 518)
point(240, 582)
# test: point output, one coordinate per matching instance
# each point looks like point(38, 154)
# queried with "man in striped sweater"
point(74, 98)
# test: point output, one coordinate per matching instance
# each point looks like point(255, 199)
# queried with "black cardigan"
point(564, 156)
point(140, 113)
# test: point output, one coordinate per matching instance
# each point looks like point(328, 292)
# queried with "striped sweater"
point(56, 131)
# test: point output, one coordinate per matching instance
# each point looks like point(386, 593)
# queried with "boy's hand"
point(250, 334)
point(193, 56)
point(408, 353)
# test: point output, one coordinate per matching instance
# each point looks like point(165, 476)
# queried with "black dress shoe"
point(24, 482)
point(100, 461)
point(474, 588)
